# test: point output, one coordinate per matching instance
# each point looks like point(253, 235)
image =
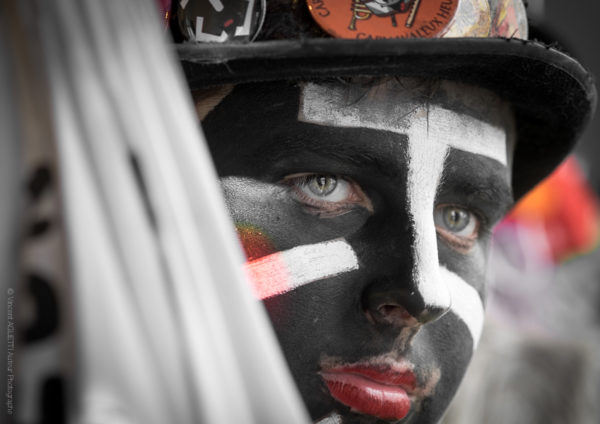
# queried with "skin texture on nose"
point(399, 152)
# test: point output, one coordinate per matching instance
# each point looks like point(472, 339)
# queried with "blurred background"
point(539, 357)
point(576, 24)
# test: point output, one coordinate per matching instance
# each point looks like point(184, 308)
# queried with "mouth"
point(385, 392)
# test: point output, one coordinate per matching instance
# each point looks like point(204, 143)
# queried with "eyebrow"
point(488, 186)
point(493, 190)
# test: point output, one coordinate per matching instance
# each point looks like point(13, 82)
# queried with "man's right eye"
point(327, 195)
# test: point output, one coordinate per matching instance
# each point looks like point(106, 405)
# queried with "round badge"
point(383, 18)
point(219, 21)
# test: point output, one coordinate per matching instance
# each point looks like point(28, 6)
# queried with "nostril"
point(386, 305)
point(394, 314)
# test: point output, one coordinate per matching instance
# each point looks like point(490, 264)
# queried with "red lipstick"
point(380, 392)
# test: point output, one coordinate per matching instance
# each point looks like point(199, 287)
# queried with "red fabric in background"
point(566, 207)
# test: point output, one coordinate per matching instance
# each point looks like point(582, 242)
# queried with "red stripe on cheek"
point(281, 272)
point(268, 276)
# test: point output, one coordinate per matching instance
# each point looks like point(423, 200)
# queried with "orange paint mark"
point(254, 242)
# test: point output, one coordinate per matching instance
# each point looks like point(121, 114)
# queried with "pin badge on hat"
point(218, 21)
point(383, 18)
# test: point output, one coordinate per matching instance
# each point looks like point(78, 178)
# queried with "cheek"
point(270, 220)
point(285, 247)
point(466, 303)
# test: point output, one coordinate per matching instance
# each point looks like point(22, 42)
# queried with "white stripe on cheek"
point(284, 271)
point(466, 303)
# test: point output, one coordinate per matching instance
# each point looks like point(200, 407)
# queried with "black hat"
point(471, 41)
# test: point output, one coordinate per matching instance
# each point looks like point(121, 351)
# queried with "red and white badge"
point(383, 18)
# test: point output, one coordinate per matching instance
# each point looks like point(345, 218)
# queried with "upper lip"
point(390, 375)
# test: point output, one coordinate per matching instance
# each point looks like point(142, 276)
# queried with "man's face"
point(365, 210)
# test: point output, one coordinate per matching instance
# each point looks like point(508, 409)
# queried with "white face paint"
point(433, 126)
point(333, 418)
point(466, 303)
point(406, 113)
point(284, 271)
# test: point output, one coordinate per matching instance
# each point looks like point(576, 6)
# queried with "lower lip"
point(367, 396)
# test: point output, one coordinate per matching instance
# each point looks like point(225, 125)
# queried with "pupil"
point(322, 182)
point(323, 185)
point(456, 219)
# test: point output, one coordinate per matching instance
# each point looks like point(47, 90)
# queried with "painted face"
point(365, 209)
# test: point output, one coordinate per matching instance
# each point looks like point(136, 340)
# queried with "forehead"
point(452, 114)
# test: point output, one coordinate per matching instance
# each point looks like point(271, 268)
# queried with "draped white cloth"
point(165, 327)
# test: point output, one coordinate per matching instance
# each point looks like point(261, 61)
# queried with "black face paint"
point(480, 184)
point(366, 319)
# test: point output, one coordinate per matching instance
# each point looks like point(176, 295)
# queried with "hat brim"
point(552, 95)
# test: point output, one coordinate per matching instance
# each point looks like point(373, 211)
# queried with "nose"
point(387, 303)
point(408, 288)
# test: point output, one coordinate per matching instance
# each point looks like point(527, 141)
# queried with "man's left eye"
point(457, 225)
point(327, 195)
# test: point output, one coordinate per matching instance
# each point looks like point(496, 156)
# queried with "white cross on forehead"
point(408, 106)
point(434, 121)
